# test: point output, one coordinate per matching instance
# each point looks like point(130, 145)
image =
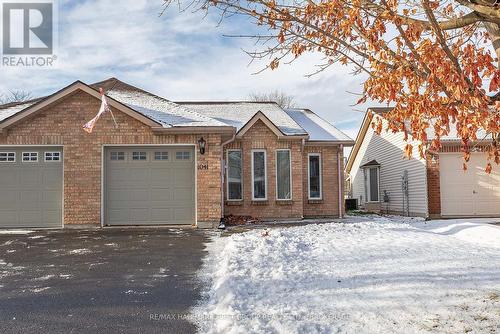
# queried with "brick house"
point(152, 161)
point(436, 186)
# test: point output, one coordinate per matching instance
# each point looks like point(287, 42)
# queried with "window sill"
point(260, 202)
point(234, 202)
point(315, 201)
point(284, 202)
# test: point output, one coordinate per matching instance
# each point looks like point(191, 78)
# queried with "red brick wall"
point(62, 125)
point(328, 206)
point(259, 136)
point(433, 185)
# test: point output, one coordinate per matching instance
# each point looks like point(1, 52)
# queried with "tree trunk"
point(494, 31)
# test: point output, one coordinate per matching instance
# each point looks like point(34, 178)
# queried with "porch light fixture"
point(202, 145)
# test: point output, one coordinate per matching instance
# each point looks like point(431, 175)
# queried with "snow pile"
point(479, 231)
point(376, 276)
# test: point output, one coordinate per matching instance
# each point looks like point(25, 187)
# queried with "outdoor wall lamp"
point(202, 145)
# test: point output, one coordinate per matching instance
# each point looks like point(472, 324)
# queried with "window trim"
point(367, 185)
point(139, 160)
point(309, 155)
point(290, 170)
point(176, 158)
point(52, 152)
point(29, 161)
point(7, 161)
point(265, 175)
point(227, 175)
point(117, 154)
point(162, 152)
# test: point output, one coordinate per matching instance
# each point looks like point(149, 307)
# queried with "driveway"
point(100, 281)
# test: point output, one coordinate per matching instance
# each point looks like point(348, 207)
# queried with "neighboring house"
point(163, 163)
point(381, 179)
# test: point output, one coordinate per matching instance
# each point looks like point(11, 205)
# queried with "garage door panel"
point(183, 214)
point(31, 192)
point(29, 180)
point(139, 214)
point(161, 215)
point(162, 175)
point(8, 198)
point(51, 196)
point(118, 215)
point(183, 196)
point(139, 195)
point(150, 191)
point(30, 216)
point(8, 178)
point(10, 218)
point(32, 197)
point(160, 196)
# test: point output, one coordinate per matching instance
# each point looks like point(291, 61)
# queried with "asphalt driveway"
point(100, 281)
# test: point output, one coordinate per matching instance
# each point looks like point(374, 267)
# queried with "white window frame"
point(139, 160)
point(309, 177)
point(7, 161)
point(51, 152)
point(290, 169)
point(161, 154)
point(368, 184)
point(29, 155)
point(265, 176)
point(227, 173)
point(182, 159)
point(117, 154)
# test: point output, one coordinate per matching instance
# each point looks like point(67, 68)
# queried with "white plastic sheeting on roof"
point(317, 128)
point(167, 113)
point(237, 114)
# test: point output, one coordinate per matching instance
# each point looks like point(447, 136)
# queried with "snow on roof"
point(317, 128)
point(11, 109)
point(158, 109)
point(237, 114)
point(452, 136)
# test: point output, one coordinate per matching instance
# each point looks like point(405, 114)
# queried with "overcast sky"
point(179, 57)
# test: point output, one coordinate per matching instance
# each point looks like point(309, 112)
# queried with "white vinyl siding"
point(387, 149)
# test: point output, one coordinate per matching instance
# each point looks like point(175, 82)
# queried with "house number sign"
point(203, 166)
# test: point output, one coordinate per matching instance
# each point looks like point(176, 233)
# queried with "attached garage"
point(146, 185)
point(468, 193)
point(31, 187)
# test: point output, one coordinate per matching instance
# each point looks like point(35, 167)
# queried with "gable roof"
point(164, 115)
point(318, 128)
point(239, 113)
point(260, 116)
point(452, 136)
point(12, 115)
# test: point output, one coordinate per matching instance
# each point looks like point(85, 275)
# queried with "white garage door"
point(31, 187)
point(468, 193)
point(150, 185)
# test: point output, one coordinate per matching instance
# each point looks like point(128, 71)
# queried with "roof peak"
point(224, 102)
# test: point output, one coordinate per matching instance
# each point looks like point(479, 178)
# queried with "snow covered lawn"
point(371, 275)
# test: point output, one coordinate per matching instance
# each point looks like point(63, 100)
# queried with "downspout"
point(341, 181)
point(222, 173)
